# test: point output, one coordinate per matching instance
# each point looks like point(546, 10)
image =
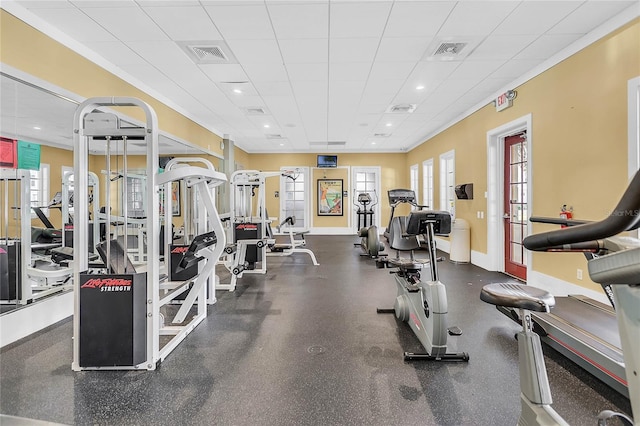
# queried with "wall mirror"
point(44, 117)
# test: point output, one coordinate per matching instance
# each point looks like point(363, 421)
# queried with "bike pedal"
point(454, 331)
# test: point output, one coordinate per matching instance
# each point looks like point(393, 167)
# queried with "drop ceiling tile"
point(391, 70)
point(310, 89)
point(184, 23)
point(347, 50)
point(75, 24)
point(589, 15)
point(45, 4)
point(311, 20)
point(501, 47)
point(274, 71)
point(472, 18)
point(242, 21)
point(224, 72)
point(104, 3)
point(126, 23)
point(307, 72)
point(411, 19)
point(476, 70)
point(255, 51)
point(353, 71)
point(349, 20)
point(427, 71)
point(546, 46)
point(402, 49)
point(305, 51)
point(515, 68)
point(273, 88)
point(162, 54)
point(535, 17)
point(115, 52)
point(166, 3)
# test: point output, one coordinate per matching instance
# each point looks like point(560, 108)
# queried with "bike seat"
point(405, 263)
point(520, 296)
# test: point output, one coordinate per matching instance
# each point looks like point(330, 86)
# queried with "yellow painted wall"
point(394, 174)
point(579, 142)
point(29, 50)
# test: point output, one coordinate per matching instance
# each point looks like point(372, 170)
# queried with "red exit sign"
point(503, 102)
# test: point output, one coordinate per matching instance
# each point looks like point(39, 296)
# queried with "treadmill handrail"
point(624, 217)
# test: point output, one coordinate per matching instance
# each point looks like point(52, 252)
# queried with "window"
point(427, 183)
point(39, 189)
point(447, 182)
point(293, 189)
point(413, 178)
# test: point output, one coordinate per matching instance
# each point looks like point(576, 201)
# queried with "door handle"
point(506, 216)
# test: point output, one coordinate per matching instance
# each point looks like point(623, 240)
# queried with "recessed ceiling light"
point(389, 124)
point(281, 144)
point(373, 143)
point(266, 126)
point(237, 91)
point(36, 128)
point(420, 87)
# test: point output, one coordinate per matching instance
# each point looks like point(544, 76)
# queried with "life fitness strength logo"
point(109, 284)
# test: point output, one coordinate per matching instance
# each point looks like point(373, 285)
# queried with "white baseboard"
point(15, 325)
point(558, 287)
point(444, 245)
point(482, 260)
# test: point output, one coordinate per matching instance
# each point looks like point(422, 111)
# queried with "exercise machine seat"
point(399, 240)
point(519, 296)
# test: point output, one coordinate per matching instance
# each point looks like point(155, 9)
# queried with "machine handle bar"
point(624, 217)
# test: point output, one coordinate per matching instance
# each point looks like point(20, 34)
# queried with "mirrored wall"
point(36, 204)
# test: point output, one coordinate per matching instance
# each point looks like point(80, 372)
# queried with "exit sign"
point(503, 102)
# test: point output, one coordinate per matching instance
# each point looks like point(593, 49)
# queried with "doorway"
point(516, 214)
point(366, 179)
point(497, 203)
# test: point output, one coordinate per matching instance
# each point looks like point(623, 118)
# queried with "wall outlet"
point(579, 274)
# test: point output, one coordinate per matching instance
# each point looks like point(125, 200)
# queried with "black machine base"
point(385, 311)
point(450, 357)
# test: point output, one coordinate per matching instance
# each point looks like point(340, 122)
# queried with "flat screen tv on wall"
point(327, 161)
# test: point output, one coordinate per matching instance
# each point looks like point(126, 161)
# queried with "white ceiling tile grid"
point(315, 71)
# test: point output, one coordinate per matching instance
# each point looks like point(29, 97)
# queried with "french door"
point(516, 212)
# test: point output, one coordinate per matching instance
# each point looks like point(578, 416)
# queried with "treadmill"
point(586, 332)
point(582, 329)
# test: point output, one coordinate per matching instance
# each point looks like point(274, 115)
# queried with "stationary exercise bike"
point(618, 269)
point(370, 242)
point(423, 304)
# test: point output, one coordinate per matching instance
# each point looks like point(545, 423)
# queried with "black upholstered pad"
point(517, 296)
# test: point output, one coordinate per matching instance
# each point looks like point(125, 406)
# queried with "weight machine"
point(120, 310)
point(251, 228)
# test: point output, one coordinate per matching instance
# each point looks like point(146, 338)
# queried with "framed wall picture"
point(330, 197)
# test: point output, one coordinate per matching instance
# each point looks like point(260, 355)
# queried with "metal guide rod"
point(125, 198)
point(108, 202)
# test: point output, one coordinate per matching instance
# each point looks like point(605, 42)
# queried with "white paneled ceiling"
point(324, 70)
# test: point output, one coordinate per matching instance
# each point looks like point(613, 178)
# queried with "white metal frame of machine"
point(202, 178)
point(22, 178)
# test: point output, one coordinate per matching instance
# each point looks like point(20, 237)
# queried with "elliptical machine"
point(370, 242)
point(423, 304)
point(609, 264)
point(397, 197)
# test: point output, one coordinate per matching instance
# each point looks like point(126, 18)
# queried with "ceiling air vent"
point(401, 109)
point(449, 49)
point(273, 136)
point(208, 52)
point(255, 111)
point(381, 135)
point(329, 143)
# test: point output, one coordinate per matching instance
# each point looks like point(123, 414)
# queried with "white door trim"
point(376, 211)
point(495, 188)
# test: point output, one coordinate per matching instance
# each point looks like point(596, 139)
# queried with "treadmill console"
point(419, 220)
point(401, 196)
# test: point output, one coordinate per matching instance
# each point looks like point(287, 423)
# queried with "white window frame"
point(427, 183)
point(377, 197)
point(447, 182)
point(306, 172)
point(414, 178)
point(42, 190)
